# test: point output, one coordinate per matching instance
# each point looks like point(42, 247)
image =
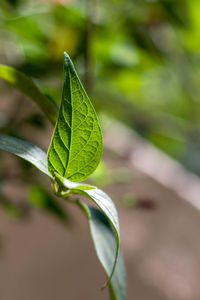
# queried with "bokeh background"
point(139, 61)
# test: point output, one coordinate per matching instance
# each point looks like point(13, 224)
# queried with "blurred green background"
point(139, 61)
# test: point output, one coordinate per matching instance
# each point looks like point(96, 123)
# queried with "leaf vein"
point(83, 146)
point(60, 137)
point(58, 156)
point(74, 129)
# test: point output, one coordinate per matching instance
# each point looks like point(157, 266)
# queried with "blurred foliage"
point(140, 61)
point(41, 199)
point(101, 176)
point(14, 210)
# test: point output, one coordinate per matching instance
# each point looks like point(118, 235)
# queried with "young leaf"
point(24, 84)
point(104, 243)
point(26, 150)
point(103, 201)
point(76, 145)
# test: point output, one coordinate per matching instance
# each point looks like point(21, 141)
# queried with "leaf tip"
point(68, 65)
point(66, 55)
point(67, 59)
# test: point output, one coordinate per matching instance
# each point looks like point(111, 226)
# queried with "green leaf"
point(24, 84)
point(102, 200)
point(25, 150)
point(76, 145)
point(104, 242)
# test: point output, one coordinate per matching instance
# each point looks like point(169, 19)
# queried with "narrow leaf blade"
point(25, 85)
point(103, 201)
point(105, 244)
point(76, 145)
point(25, 150)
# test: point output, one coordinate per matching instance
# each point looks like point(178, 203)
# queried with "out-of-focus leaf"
point(40, 198)
point(13, 210)
point(27, 87)
point(101, 176)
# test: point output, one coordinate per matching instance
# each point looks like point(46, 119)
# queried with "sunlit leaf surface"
point(76, 145)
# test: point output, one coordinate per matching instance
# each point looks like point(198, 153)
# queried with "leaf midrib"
point(71, 119)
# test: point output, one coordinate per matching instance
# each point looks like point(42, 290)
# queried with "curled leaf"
point(104, 242)
point(103, 201)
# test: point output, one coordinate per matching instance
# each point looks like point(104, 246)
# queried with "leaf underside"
point(25, 150)
point(76, 145)
point(104, 242)
point(104, 202)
